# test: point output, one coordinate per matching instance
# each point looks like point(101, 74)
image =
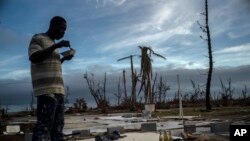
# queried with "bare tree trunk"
point(124, 84)
point(210, 70)
point(160, 87)
point(180, 99)
point(104, 88)
point(105, 102)
point(148, 91)
point(133, 77)
point(153, 99)
point(119, 92)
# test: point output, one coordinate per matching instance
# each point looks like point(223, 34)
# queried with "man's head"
point(57, 27)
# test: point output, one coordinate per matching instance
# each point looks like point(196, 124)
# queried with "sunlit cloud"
point(16, 74)
point(103, 3)
point(162, 15)
point(7, 61)
point(244, 48)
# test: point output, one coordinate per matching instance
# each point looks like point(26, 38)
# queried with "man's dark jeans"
point(50, 118)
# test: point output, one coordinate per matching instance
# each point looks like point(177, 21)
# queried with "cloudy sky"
point(103, 31)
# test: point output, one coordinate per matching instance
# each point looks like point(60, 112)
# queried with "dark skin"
point(55, 32)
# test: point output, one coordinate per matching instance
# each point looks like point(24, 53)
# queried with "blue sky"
point(103, 31)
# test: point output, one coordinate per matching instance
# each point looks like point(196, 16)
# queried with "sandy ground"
point(154, 136)
point(149, 136)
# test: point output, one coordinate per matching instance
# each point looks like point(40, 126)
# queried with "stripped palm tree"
point(146, 72)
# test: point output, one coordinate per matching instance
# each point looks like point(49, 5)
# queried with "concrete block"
point(220, 127)
point(190, 128)
point(117, 128)
point(148, 127)
point(127, 115)
point(28, 137)
point(81, 133)
point(13, 128)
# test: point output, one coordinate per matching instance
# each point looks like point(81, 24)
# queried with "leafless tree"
point(245, 96)
point(194, 96)
point(162, 89)
point(226, 92)
point(124, 84)
point(154, 95)
point(119, 92)
point(98, 91)
point(206, 30)
point(244, 92)
point(159, 90)
point(80, 105)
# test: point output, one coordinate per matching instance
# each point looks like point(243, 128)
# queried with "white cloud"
point(83, 63)
point(149, 39)
point(244, 48)
point(117, 2)
point(162, 15)
point(160, 25)
point(233, 56)
point(103, 3)
point(6, 62)
point(16, 74)
point(135, 41)
point(175, 62)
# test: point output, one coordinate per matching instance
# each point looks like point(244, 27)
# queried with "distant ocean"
point(17, 104)
point(26, 107)
point(16, 108)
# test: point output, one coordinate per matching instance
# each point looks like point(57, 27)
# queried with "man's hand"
point(63, 43)
point(43, 54)
point(67, 58)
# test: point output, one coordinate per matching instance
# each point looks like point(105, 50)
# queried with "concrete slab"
point(82, 133)
point(191, 128)
point(135, 136)
point(220, 127)
point(179, 117)
point(148, 127)
point(117, 128)
point(150, 136)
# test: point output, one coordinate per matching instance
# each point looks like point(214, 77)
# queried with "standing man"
point(47, 81)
